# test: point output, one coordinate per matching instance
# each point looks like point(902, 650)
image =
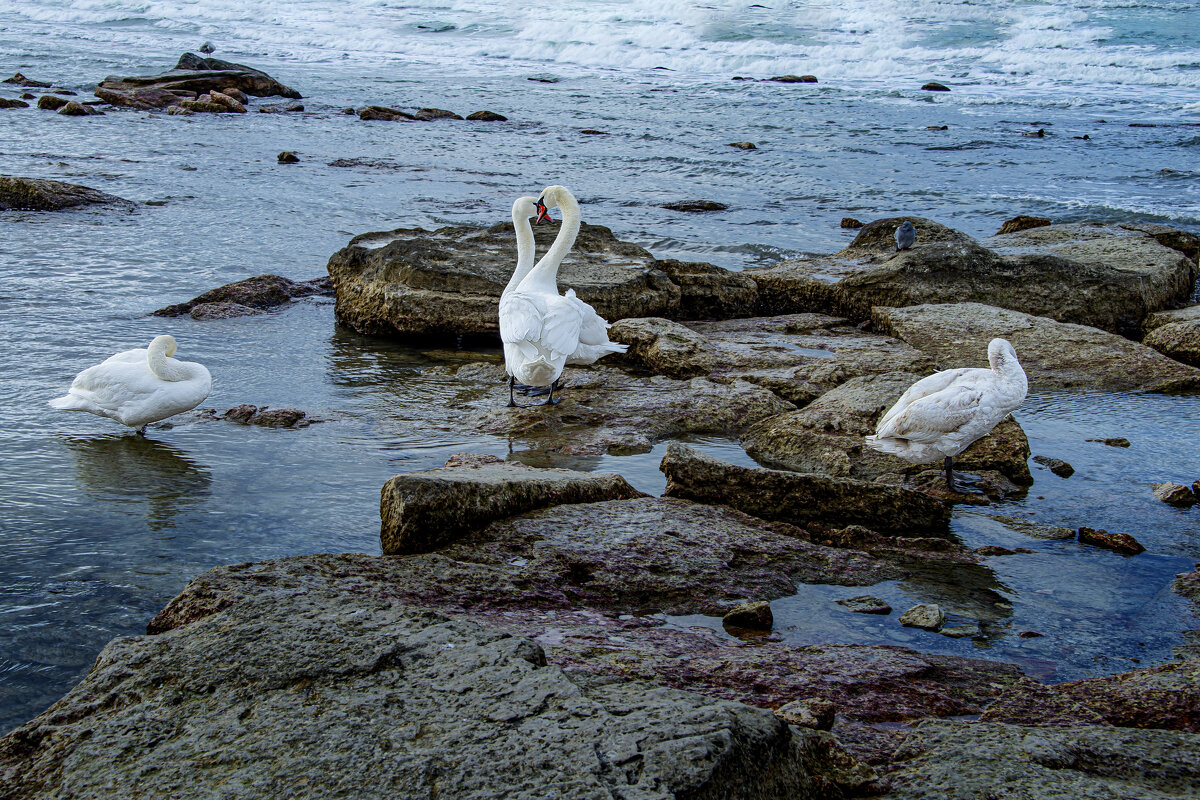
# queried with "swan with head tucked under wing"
point(542, 330)
point(140, 386)
point(943, 414)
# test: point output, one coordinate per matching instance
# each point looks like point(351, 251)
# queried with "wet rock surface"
point(797, 356)
point(422, 511)
point(249, 296)
point(607, 410)
point(1055, 355)
point(1177, 340)
point(190, 77)
point(1121, 542)
point(942, 758)
point(827, 436)
point(412, 282)
point(266, 417)
point(39, 194)
point(334, 694)
point(1056, 465)
point(927, 615)
point(1175, 494)
point(866, 604)
point(799, 497)
point(1022, 222)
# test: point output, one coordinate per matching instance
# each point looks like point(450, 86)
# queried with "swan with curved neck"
point(542, 330)
point(522, 210)
point(942, 415)
point(140, 386)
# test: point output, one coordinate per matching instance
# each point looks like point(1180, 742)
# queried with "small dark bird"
point(906, 235)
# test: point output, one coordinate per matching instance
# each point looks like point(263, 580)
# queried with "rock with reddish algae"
point(323, 694)
point(1166, 696)
point(421, 511)
point(259, 293)
point(955, 759)
point(800, 498)
point(1022, 222)
point(808, 713)
point(559, 576)
point(1121, 542)
point(926, 615)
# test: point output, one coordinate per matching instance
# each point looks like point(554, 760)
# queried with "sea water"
point(100, 529)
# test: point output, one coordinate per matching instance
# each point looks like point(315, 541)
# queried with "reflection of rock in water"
point(131, 469)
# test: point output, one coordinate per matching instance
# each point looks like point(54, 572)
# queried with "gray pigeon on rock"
point(906, 235)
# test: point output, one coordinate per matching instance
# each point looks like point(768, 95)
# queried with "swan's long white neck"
point(1005, 364)
point(158, 357)
point(524, 233)
point(545, 273)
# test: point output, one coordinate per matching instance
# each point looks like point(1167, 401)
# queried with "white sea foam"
point(1082, 45)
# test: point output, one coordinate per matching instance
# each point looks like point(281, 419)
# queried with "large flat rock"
point(945, 760)
point(607, 410)
point(828, 436)
point(413, 282)
point(336, 694)
point(421, 511)
point(1105, 276)
point(1055, 355)
point(801, 498)
point(797, 356)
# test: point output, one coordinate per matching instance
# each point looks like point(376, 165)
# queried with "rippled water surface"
point(101, 529)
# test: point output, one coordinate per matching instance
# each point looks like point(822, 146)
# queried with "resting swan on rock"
point(943, 414)
point(137, 387)
point(542, 331)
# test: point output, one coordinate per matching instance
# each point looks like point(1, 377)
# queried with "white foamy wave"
point(1085, 46)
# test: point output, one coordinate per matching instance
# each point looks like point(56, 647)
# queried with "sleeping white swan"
point(940, 416)
point(542, 330)
point(138, 387)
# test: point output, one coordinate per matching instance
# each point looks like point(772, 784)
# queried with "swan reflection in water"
point(129, 469)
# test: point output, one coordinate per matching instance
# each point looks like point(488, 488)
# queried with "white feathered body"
point(943, 414)
point(540, 331)
point(124, 388)
point(594, 343)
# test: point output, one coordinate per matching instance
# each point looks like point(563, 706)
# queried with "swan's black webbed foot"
point(550, 401)
point(538, 391)
point(512, 402)
point(962, 482)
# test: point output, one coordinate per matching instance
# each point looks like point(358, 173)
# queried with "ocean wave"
point(1034, 46)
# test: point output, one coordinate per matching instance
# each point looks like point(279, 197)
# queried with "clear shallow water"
point(101, 530)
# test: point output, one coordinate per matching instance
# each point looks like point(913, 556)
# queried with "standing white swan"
point(523, 208)
point(139, 386)
point(542, 330)
point(940, 416)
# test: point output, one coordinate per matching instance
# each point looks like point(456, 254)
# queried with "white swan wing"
point(561, 326)
point(520, 318)
point(928, 385)
point(593, 328)
point(550, 321)
point(930, 418)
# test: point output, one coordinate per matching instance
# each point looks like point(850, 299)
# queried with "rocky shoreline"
point(521, 636)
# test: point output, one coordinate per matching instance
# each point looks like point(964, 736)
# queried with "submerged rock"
point(927, 615)
point(7, 103)
point(386, 114)
point(794, 79)
point(427, 114)
point(851, 223)
point(1055, 355)
point(288, 157)
point(866, 604)
point(77, 109)
point(193, 76)
point(744, 145)
point(755, 616)
point(412, 282)
point(934, 86)
point(695, 206)
point(51, 102)
point(1121, 542)
point(247, 414)
point(1056, 465)
point(800, 498)
point(258, 294)
point(421, 511)
point(487, 116)
point(993, 759)
point(39, 194)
